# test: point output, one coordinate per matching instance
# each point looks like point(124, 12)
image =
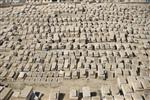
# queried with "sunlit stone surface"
point(73, 50)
